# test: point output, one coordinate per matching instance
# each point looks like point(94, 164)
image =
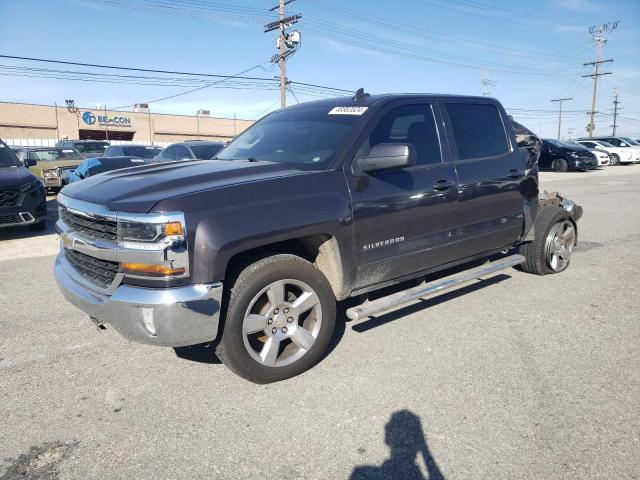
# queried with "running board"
point(399, 299)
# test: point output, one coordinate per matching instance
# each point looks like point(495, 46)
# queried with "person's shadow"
point(406, 440)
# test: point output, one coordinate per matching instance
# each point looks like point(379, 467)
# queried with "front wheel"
point(553, 243)
point(280, 318)
point(560, 165)
point(615, 159)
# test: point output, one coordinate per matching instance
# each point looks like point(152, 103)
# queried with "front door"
point(404, 219)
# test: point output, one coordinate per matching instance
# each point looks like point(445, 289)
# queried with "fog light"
point(150, 270)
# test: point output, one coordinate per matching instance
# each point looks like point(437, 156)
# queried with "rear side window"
point(183, 152)
point(170, 153)
point(478, 130)
point(409, 124)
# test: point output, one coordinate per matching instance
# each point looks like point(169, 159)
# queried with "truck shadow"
point(410, 457)
point(385, 318)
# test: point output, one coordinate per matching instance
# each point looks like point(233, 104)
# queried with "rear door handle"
point(443, 185)
point(515, 173)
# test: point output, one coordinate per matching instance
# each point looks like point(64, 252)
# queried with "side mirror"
point(385, 156)
point(28, 162)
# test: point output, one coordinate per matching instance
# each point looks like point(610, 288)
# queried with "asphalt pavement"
point(515, 376)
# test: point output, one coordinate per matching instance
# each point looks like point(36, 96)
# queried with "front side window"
point(205, 152)
point(409, 124)
point(478, 130)
point(170, 152)
point(307, 137)
point(97, 148)
point(183, 152)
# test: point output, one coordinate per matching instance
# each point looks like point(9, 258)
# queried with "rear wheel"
point(552, 247)
point(560, 165)
point(280, 318)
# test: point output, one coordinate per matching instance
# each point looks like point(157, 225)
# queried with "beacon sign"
point(105, 120)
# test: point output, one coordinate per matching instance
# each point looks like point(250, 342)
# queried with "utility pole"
point(615, 113)
point(598, 37)
point(486, 83)
point(286, 43)
point(560, 100)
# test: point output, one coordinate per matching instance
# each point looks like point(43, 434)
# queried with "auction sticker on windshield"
point(348, 110)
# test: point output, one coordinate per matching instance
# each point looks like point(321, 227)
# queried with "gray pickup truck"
point(311, 205)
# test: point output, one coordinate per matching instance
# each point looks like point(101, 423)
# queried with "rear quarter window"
point(478, 130)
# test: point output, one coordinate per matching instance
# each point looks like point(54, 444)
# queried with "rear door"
point(490, 169)
point(404, 219)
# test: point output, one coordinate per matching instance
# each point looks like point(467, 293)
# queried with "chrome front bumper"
point(171, 317)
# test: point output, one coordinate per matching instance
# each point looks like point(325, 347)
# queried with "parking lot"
point(515, 376)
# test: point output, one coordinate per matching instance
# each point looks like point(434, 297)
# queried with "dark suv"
point(22, 195)
point(86, 148)
point(190, 150)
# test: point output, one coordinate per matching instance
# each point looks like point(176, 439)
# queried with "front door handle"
point(443, 185)
point(515, 173)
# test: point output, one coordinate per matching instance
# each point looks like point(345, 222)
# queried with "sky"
point(437, 46)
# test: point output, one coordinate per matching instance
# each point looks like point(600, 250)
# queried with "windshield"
point(557, 143)
point(55, 154)
point(576, 146)
point(205, 152)
point(7, 157)
point(306, 136)
point(91, 147)
point(630, 142)
point(140, 151)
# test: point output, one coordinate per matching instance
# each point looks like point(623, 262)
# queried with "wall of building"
point(24, 123)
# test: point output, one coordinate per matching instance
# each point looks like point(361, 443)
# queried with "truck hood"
point(138, 189)
point(14, 177)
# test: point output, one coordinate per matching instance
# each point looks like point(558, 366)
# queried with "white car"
point(618, 154)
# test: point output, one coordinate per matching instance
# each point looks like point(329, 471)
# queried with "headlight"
point(30, 186)
point(150, 236)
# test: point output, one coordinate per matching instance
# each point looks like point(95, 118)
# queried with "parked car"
point(190, 150)
point(140, 151)
point(561, 156)
point(618, 155)
point(23, 200)
point(86, 148)
point(602, 157)
point(312, 204)
point(94, 166)
point(620, 142)
point(51, 163)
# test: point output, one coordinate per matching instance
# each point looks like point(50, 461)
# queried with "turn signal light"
point(173, 229)
point(150, 270)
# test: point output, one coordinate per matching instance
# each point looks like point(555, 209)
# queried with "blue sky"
point(404, 46)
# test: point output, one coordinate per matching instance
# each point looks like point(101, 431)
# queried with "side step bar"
point(399, 299)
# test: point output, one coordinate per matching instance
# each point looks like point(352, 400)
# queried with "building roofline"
point(123, 112)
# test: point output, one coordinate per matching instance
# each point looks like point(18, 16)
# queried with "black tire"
point(615, 159)
point(249, 283)
point(38, 227)
point(534, 252)
point(560, 165)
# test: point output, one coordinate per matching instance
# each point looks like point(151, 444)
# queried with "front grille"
point(9, 198)
point(9, 219)
point(100, 272)
point(90, 227)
